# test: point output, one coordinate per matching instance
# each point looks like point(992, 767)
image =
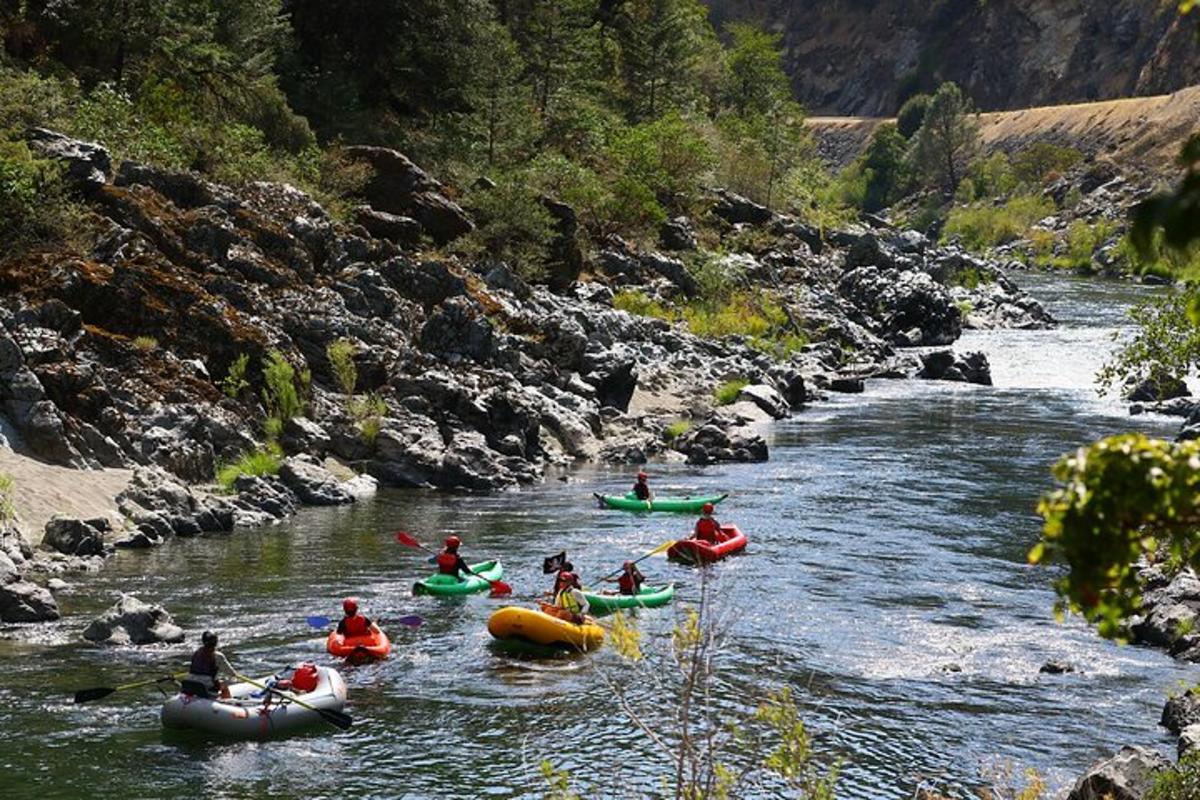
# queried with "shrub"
point(993, 176)
point(1039, 162)
point(234, 382)
point(970, 278)
point(1082, 242)
point(676, 429)
point(1179, 783)
point(637, 302)
point(7, 511)
point(264, 461)
point(284, 392)
point(341, 361)
point(145, 343)
point(1161, 259)
point(981, 227)
point(727, 393)
point(35, 208)
point(369, 413)
point(912, 114)
point(514, 226)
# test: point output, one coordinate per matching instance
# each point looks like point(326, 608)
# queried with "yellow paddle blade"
point(662, 548)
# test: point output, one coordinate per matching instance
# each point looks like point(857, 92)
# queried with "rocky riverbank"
point(119, 358)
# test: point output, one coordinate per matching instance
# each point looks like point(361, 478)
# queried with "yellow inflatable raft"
point(530, 625)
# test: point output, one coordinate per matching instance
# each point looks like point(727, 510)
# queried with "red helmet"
point(568, 577)
point(350, 606)
point(627, 565)
point(453, 542)
point(707, 508)
point(642, 476)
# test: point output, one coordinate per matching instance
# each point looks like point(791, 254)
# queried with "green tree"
point(948, 139)
point(503, 102)
point(755, 79)
point(912, 115)
point(668, 156)
point(660, 42)
point(885, 167)
point(560, 43)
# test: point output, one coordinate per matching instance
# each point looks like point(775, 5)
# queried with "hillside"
point(864, 57)
point(1144, 132)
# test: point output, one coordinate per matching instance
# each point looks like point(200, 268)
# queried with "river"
point(885, 581)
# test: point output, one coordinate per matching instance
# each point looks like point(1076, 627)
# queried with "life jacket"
point(305, 678)
point(356, 625)
point(447, 563)
point(627, 584)
point(568, 602)
point(641, 491)
point(204, 662)
point(708, 529)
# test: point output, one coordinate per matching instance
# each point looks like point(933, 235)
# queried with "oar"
point(88, 695)
point(660, 549)
point(410, 621)
point(499, 588)
point(337, 719)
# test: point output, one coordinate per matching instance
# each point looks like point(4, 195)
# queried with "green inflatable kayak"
point(648, 597)
point(449, 586)
point(629, 502)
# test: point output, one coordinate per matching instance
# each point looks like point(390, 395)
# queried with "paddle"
point(660, 549)
point(411, 621)
point(499, 588)
point(88, 695)
point(337, 719)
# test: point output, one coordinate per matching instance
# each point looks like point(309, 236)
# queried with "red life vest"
point(305, 678)
point(708, 530)
point(627, 584)
point(448, 563)
point(356, 625)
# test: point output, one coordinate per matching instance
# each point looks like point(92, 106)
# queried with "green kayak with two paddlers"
point(648, 597)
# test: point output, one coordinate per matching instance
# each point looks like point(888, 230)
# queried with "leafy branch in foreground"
point(1120, 499)
point(1166, 341)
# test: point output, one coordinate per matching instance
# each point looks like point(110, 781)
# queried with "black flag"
point(554, 563)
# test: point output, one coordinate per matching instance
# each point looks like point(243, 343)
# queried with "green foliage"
point(755, 76)
point(1082, 242)
point(513, 226)
point(284, 392)
point(34, 206)
point(1181, 782)
point(145, 343)
point(369, 413)
point(912, 114)
point(341, 355)
point(257, 463)
point(970, 278)
point(792, 759)
point(947, 141)
point(234, 383)
point(558, 783)
point(636, 302)
point(676, 429)
point(661, 43)
point(818, 198)
point(981, 227)
point(1119, 499)
point(1166, 337)
point(1042, 162)
point(727, 393)
point(884, 168)
point(993, 177)
point(1162, 260)
point(7, 510)
point(1171, 219)
point(668, 157)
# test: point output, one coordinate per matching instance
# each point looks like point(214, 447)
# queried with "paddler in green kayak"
point(631, 579)
point(641, 489)
point(449, 561)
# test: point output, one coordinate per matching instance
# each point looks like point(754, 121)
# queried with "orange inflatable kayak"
point(357, 649)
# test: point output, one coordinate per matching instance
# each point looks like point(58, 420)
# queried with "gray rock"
point(361, 487)
point(735, 209)
point(501, 276)
point(1126, 776)
point(131, 621)
point(312, 483)
point(267, 495)
point(1163, 624)
point(1181, 711)
point(22, 601)
point(847, 385)
point(458, 328)
point(1156, 388)
point(1189, 741)
point(766, 398)
point(400, 187)
point(88, 163)
point(302, 435)
point(401, 230)
point(73, 537)
point(428, 282)
point(677, 235)
point(944, 365)
point(673, 270)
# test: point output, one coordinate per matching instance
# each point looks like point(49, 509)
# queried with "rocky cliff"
point(865, 56)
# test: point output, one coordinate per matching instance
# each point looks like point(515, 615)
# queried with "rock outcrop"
point(132, 621)
point(1126, 776)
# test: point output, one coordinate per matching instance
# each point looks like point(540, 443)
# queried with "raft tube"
point(694, 551)
point(629, 502)
point(648, 597)
point(449, 586)
point(241, 715)
point(530, 625)
point(372, 646)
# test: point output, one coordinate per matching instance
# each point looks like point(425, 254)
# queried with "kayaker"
point(450, 562)
point(353, 624)
point(208, 664)
point(571, 599)
point(560, 582)
point(707, 527)
point(641, 489)
point(631, 579)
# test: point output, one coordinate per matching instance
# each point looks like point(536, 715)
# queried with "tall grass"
point(727, 393)
point(257, 463)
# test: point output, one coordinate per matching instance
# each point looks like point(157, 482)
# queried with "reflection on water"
point(885, 580)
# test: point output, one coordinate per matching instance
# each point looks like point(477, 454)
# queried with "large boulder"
point(677, 235)
point(312, 483)
point(720, 439)
point(401, 230)
point(766, 398)
point(944, 365)
point(908, 308)
point(132, 621)
point(1181, 711)
point(673, 270)
point(399, 187)
point(1156, 387)
point(88, 164)
point(458, 329)
point(75, 537)
point(22, 601)
point(1126, 776)
point(736, 210)
point(566, 256)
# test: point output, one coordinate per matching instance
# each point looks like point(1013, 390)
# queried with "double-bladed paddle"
point(499, 588)
point(660, 549)
point(410, 621)
point(98, 692)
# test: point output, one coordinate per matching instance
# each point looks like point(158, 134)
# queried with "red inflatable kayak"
point(358, 649)
point(695, 551)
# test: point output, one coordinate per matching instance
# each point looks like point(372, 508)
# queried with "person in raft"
point(449, 562)
point(641, 489)
point(354, 623)
point(562, 578)
point(707, 527)
point(208, 665)
point(571, 599)
point(631, 579)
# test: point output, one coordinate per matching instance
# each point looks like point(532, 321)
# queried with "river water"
point(885, 582)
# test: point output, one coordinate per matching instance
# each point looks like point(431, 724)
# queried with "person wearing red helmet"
point(570, 600)
point(449, 562)
point(707, 527)
point(561, 578)
point(631, 579)
point(641, 489)
point(353, 623)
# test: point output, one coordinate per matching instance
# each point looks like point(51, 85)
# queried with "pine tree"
point(660, 41)
point(948, 139)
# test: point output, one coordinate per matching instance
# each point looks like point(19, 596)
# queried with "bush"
point(284, 392)
point(264, 461)
point(35, 208)
point(912, 115)
point(636, 302)
point(676, 429)
point(341, 361)
point(993, 177)
point(7, 511)
point(969, 278)
point(234, 382)
point(1038, 163)
point(727, 393)
point(145, 343)
point(514, 226)
point(369, 413)
point(1161, 259)
point(1082, 242)
point(1180, 783)
point(982, 227)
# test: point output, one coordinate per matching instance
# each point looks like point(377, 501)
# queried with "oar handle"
point(279, 692)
